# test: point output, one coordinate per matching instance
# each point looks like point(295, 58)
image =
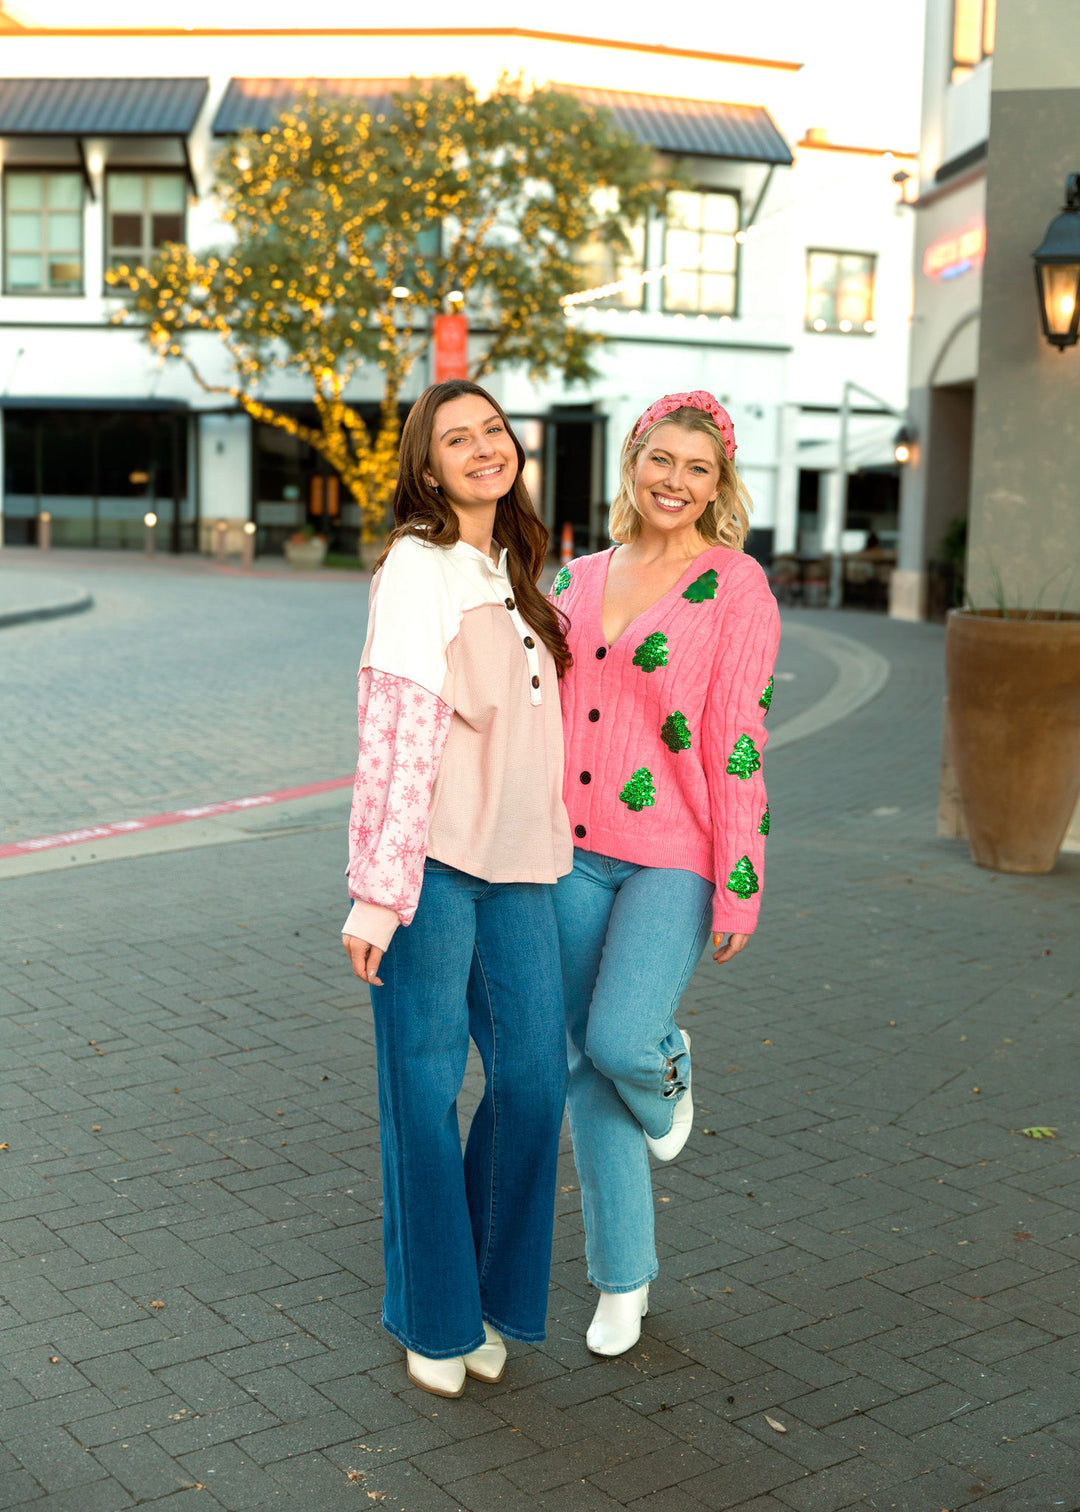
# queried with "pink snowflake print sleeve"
point(403, 730)
point(734, 741)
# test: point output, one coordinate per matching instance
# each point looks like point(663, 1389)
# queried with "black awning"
point(257, 104)
point(100, 107)
point(703, 128)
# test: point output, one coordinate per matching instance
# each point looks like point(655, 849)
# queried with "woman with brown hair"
point(457, 828)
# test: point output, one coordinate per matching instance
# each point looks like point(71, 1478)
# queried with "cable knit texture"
point(665, 729)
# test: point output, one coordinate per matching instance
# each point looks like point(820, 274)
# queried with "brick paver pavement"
point(857, 1244)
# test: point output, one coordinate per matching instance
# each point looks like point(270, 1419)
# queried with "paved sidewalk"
point(27, 597)
point(857, 1244)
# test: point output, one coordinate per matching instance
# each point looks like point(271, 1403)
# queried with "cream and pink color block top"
point(665, 729)
point(461, 752)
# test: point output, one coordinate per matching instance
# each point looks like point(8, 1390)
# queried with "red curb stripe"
point(178, 816)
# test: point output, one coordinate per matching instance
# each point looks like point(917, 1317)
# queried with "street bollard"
point(220, 528)
point(249, 544)
point(149, 520)
point(44, 535)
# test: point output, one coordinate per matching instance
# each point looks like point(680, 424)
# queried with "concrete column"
point(785, 541)
point(907, 588)
point(831, 511)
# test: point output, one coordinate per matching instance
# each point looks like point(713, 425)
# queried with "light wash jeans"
point(469, 1239)
point(630, 938)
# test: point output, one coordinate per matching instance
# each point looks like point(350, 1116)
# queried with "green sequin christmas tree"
point(652, 652)
point(561, 582)
point(743, 881)
point(675, 732)
point(639, 792)
point(763, 827)
point(765, 701)
point(744, 760)
point(702, 588)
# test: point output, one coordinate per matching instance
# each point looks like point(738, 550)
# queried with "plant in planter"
point(1013, 712)
point(304, 549)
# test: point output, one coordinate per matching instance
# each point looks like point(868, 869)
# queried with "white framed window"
point(143, 211)
point(601, 263)
point(701, 251)
point(840, 292)
point(43, 232)
point(974, 23)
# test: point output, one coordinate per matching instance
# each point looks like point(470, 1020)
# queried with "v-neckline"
point(678, 583)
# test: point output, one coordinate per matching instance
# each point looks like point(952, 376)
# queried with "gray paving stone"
point(899, 1290)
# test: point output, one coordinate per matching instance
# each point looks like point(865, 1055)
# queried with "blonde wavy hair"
point(726, 520)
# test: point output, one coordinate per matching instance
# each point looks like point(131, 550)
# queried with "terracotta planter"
point(1014, 723)
point(306, 555)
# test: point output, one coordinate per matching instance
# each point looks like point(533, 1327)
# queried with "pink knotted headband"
point(697, 399)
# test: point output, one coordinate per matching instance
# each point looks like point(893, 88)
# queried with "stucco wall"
point(1025, 500)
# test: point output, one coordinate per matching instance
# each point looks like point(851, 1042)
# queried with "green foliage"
point(675, 732)
point(652, 652)
point(954, 541)
point(335, 207)
point(639, 792)
point(744, 760)
point(1038, 1131)
point(702, 588)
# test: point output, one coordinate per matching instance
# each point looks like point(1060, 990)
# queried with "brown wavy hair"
point(422, 511)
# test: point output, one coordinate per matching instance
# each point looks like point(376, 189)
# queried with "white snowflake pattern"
point(402, 733)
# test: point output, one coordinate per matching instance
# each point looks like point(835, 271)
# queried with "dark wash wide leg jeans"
point(468, 1239)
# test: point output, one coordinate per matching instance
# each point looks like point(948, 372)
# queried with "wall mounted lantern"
point(1057, 271)
point(903, 444)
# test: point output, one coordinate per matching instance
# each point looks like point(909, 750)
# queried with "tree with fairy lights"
point(353, 228)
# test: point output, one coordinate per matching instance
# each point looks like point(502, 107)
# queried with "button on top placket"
point(501, 584)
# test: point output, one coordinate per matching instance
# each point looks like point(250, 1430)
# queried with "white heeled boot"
point(669, 1144)
point(616, 1324)
point(445, 1378)
point(488, 1362)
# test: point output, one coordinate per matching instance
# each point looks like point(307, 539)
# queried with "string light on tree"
point(341, 216)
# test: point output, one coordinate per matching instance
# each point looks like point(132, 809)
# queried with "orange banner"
point(451, 347)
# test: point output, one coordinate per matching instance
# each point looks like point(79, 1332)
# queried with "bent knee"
point(615, 1058)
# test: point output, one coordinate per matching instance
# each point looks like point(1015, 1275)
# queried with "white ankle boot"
point(487, 1362)
point(669, 1144)
point(616, 1324)
point(445, 1378)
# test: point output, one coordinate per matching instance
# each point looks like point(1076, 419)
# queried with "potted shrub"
point(304, 549)
point(1013, 709)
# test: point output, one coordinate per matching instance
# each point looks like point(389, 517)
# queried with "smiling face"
point(676, 478)
point(472, 456)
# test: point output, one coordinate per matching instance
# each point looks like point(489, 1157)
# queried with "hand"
point(364, 958)
point(722, 953)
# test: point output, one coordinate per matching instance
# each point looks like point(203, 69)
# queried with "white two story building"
point(788, 277)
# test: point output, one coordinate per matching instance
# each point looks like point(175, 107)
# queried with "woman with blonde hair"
point(673, 633)
point(457, 826)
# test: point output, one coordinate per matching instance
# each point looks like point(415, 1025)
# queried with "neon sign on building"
point(953, 255)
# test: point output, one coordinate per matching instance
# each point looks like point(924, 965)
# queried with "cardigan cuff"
point(371, 922)
point(729, 918)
